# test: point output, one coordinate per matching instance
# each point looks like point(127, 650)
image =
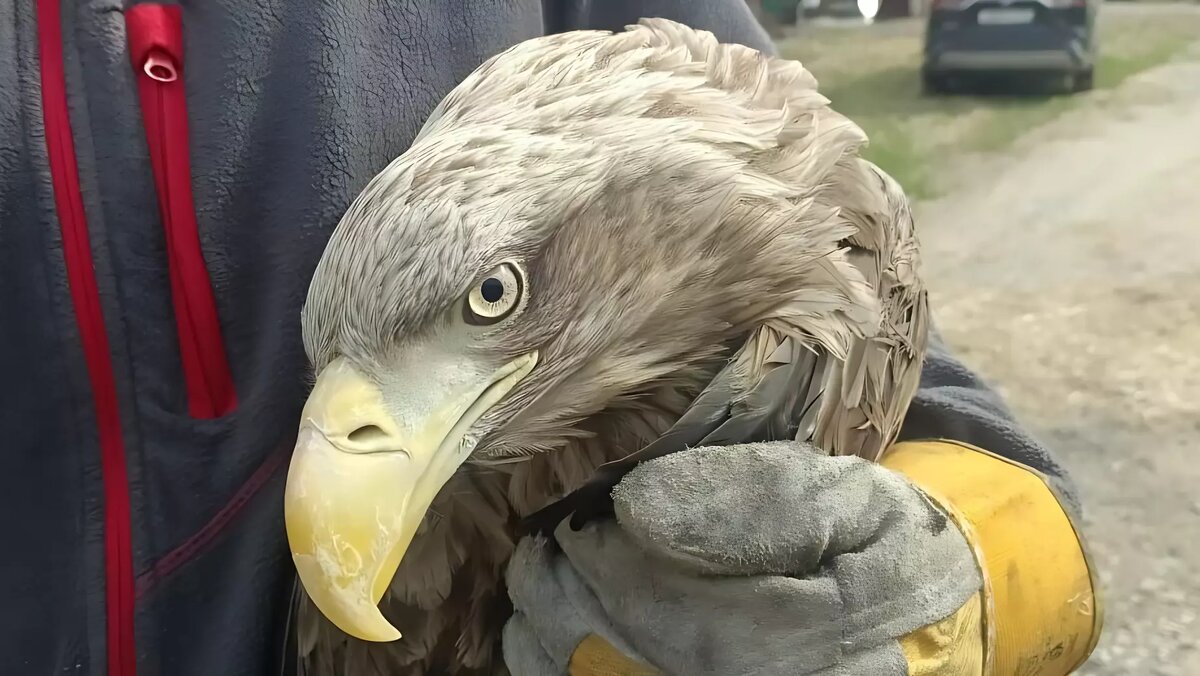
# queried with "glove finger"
point(523, 652)
point(781, 509)
point(690, 623)
point(558, 606)
point(684, 621)
point(537, 591)
point(778, 508)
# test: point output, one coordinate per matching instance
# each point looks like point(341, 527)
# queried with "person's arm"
point(954, 403)
point(1017, 507)
point(729, 20)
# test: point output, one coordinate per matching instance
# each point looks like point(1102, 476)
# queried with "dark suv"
point(1035, 37)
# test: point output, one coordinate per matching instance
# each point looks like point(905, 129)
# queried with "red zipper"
point(156, 48)
point(85, 297)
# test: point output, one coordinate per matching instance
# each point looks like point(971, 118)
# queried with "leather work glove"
point(773, 559)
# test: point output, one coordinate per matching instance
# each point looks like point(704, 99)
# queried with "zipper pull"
point(160, 67)
point(155, 35)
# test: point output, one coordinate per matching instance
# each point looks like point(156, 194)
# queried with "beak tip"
point(384, 633)
point(374, 629)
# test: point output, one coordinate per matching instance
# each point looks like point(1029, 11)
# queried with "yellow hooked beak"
point(362, 479)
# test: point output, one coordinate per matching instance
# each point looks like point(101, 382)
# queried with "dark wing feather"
point(764, 394)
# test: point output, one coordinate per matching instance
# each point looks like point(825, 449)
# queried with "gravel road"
point(1068, 272)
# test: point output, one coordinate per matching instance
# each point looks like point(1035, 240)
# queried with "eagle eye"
point(496, 296)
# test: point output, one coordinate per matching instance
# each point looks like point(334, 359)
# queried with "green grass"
point(909, 132)
point(871, 74)
point(1130, 57)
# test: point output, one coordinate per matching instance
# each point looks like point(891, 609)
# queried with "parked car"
point(1024, 37)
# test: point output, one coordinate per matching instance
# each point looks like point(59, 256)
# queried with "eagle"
point(599, 247)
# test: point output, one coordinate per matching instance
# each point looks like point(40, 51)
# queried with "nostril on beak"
point(367, 434)
point(369, 438)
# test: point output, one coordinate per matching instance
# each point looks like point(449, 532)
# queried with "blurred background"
point(1052, 152)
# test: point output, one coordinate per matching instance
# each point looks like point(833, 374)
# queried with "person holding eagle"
point(621, 360)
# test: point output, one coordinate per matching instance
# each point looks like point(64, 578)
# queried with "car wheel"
point(934, 83)
point(1083, 81)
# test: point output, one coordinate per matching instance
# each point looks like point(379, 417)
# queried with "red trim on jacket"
point(85, 296)
point(202, 540)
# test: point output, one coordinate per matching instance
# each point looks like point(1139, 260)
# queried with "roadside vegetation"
point(872, 74)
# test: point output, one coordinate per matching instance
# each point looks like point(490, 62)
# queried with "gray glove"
point(752, 559)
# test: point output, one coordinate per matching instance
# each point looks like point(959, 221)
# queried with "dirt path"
point(1069, 274)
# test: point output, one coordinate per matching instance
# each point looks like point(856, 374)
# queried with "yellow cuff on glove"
point(597, 657)
point(1040, 609)
point(952, 647)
